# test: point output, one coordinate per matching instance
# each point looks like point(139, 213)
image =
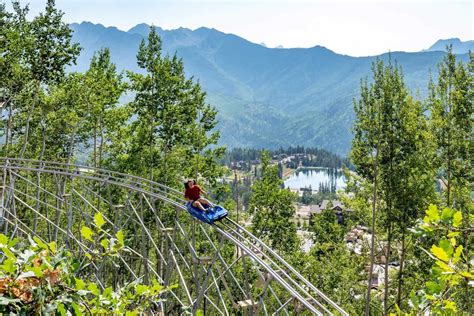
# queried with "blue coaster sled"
point(211, 215)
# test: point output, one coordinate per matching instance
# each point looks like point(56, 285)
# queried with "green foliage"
point(38, 277)
point(450, 275)
point(450, 103)
point(327, 231)
point(337, 271)
point(173, 127)
point(392, 151)
point(272, 209)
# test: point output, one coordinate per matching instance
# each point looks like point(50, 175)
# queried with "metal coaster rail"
point(270, 265)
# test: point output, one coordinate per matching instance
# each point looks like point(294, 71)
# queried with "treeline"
point(308, 156)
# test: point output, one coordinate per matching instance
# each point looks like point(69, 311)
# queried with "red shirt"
point(193, 193)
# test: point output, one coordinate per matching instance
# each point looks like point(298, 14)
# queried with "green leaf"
point(105, 243)
point(80, 285)
point(450, 305)
point(446, 214)
point(9, 266)
point(457, 219)
point(87, 233)
point(93, 288)
point(444, 267)
point(52, 246)
point(77, 309)
point(37, 271)
point(119, 236)
point(453, 234)
point(439, 253)
point(432, 214)
point(446, 245)
point(434, 287)
point(61, 309)
point(467, 275)
point(3, 240)
point(140, 289)
point(99, 219)
point(457, 254)
point(13, 242)
point(39, 243)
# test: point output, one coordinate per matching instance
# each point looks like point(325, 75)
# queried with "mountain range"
point(267, 97)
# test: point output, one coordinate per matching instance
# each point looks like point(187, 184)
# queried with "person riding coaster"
point(193, 195)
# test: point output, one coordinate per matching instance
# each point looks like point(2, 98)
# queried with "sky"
point(356, 28)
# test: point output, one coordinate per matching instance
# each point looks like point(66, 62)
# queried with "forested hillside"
point(266, 97)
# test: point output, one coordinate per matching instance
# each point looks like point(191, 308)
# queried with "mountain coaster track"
point(220, 268)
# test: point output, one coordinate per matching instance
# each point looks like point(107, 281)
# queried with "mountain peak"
point(459, 47)
point(142, 29)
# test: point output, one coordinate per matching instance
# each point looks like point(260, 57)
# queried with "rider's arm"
point(202, 191)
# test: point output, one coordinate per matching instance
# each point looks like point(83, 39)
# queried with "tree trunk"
point(101, 144)
point(38, 175)
point(387, 259)
point(372, 240)
point(400, 273)
point(7, 132)
point(28, 119)
point(95, 145)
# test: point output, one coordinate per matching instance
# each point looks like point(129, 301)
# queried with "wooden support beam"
point(247, 304)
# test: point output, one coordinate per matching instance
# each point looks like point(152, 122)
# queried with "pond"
point(314, 177)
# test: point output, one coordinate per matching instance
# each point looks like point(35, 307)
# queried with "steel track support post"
point(202, 287)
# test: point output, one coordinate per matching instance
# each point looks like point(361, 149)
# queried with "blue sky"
point(356, 28)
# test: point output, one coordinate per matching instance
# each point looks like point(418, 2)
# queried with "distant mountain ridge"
point(459, 47)
point(266, 97)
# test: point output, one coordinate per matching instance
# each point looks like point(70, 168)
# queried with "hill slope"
point(266, 97)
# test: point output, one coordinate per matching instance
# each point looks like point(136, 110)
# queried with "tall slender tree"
point(451, 105)
point(48, 51)
point(272, 209)
point(366, 150)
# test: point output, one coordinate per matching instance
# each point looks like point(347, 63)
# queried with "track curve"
point(179, 250)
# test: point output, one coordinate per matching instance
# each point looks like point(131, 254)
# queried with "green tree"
point(366, 150)
point(450, 103)
point(48, 50)
point(14, 74)
point(103, 87)
point(174, 127)
point(273, 208)
point(391, 150)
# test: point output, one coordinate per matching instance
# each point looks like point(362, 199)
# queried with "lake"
point(304, 178)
